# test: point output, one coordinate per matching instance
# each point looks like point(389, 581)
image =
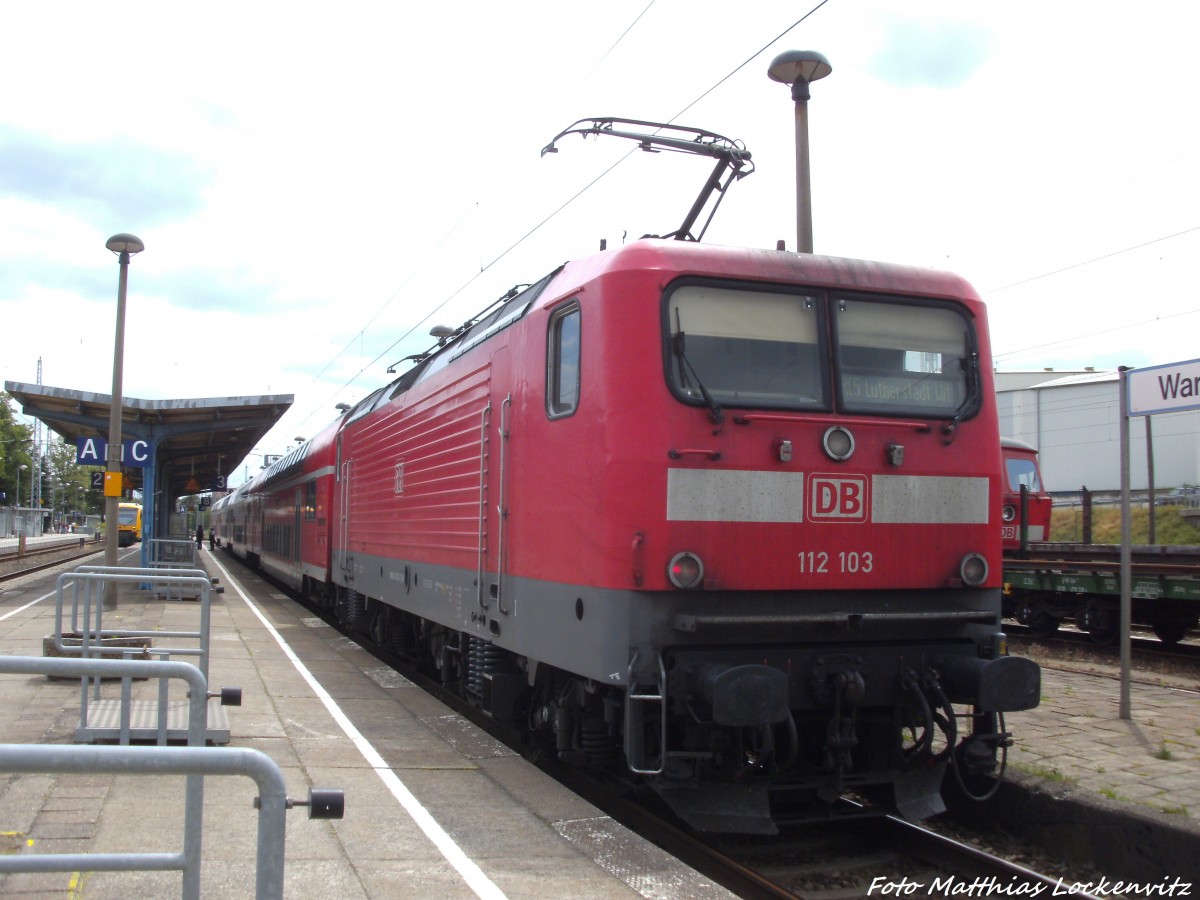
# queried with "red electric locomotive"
point(722, 518)
point(1026, 511)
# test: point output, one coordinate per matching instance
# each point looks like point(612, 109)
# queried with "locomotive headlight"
point(973, 569)
point(838, 443)
point(685, 570)
point(1008, 513)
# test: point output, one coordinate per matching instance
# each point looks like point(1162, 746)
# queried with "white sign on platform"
point(1166, 388)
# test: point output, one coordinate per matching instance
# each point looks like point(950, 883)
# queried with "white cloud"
point(312, 184)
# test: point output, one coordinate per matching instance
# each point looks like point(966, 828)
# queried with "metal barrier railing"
point(198, 695)
point(92, 580)
point(174, 554)
point(86, 626)
point(195, 762)
point(126, 669)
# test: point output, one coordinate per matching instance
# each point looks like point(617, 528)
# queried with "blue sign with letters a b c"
point(135, 452)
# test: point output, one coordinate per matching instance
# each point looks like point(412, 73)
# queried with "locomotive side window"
point(744, 347)
point(562, 362)
point(904, 359)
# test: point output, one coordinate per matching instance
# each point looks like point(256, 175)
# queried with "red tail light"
point(685, 570)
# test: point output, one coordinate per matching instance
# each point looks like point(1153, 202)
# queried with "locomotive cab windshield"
point(753, 347)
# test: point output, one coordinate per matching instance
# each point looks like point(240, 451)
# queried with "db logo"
point(839, 497)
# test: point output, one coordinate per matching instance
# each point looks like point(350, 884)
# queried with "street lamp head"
point(22, 467)
point(799, 68)
point(125, 243)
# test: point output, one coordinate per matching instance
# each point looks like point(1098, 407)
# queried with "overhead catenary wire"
point(1094, 259)
point(453, 229)
point(546, 219)
point(1080, 337)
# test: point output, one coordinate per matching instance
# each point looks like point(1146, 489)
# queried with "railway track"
point(869, 856)
point(874, 856)
point(886, 856)
point(38, 559)
point(1144, 645)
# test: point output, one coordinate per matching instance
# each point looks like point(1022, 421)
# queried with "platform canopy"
point(193, 442)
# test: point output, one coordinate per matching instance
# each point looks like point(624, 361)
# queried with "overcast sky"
point(319, 184)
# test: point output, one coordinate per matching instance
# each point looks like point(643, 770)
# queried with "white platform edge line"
point(483, 886)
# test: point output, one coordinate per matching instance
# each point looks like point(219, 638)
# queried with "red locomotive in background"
point(723, 518)
point(1025, 515)
point(1048, 583)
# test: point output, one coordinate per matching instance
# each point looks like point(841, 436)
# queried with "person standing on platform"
point(199, 536)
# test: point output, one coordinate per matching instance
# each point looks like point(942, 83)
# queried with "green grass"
point(1169, 526)
point(1044, 773)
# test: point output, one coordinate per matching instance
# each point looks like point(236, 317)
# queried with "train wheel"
point(380, 627)
point(1100, 621)
point(1105, 630)
point(1042, 624)
point(1172, 631)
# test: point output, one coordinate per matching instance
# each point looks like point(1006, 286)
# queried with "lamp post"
point(125, 246)
point(35, 487)
point(21, 468)
point(800, 68)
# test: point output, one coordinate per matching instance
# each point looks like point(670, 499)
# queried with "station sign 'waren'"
point(1167, 388)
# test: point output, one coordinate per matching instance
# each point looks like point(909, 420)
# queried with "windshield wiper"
point(970, 366)
point(678, 347)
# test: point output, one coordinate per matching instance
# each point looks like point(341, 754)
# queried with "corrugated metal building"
point(1072, 418)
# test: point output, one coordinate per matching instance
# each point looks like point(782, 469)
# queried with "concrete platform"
point(1076, 735)
point(434, 806)
point(1122, 795)
point(46, 540)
